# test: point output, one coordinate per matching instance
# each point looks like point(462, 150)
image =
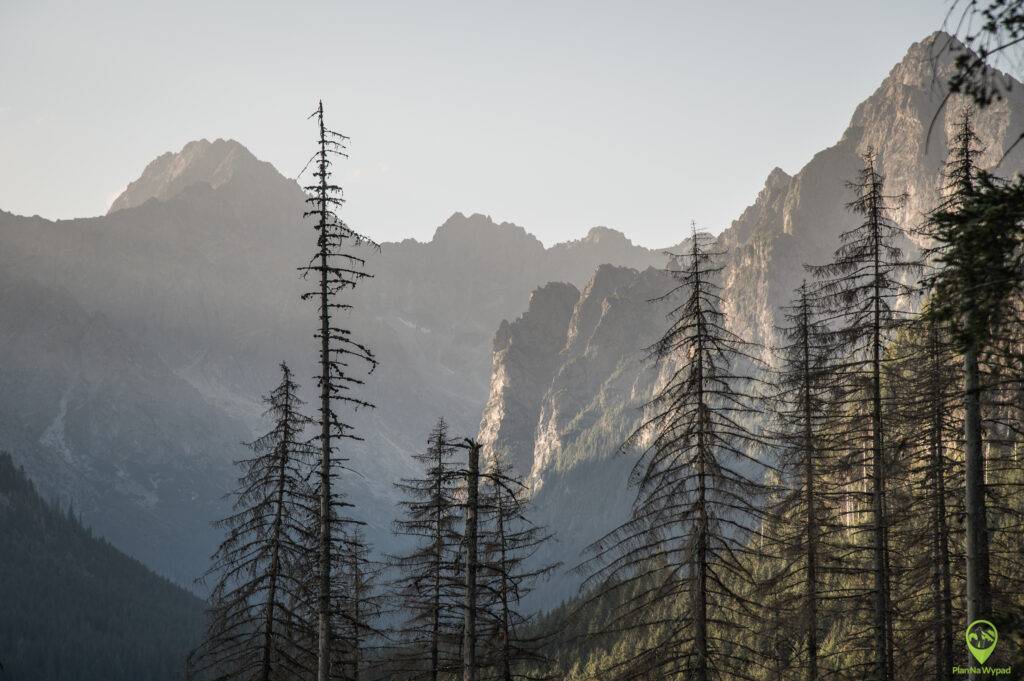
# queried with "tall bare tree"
point(428, 586)
point(805, 513)
point(359, 607)
point(698, 482)
point(509, 570)
point(257, 628)
point(336, 269)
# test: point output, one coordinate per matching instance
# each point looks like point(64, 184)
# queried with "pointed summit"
point(213, 163)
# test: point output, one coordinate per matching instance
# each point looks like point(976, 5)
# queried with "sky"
point(557, 116)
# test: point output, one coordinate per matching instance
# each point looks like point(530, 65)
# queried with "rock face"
point(562, 418)
point(200, 162)
point(526, 355)
point(134, 347)
point(797, 220)
point(591, 402)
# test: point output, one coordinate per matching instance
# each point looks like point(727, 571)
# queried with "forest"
point(834, 507)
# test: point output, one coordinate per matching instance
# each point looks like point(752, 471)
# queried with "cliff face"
point(591, 402)
point(798, 219)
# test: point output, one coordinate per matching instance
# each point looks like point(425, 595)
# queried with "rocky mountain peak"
point(482, 229)
point(215, 164)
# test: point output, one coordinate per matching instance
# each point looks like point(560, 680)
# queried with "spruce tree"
point(359, 607)
point(509, 571)
point(805, 511)
point(257, 629)
point(336, 269)
point(428, 587)
point(976, 291)
point(860, 294)
point(926, 381)
point(698, 480)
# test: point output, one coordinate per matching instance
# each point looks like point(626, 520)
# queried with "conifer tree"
point(257, 629)
point(975, 290)
point(977, 235)
point(859, 296)
point(926, 384)
point(336, 269)
point(508, 572)
point(805, 511)
point(358, 608)
point(428, 587)
point(697, 501)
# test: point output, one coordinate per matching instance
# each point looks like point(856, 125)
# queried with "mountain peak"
point(199, 162)
point(481, 229)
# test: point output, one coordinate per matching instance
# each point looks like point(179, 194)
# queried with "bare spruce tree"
point(926, 383)
point(336, 269)
point(805, 511)
point(359, 607)
point(697, 505)
point(428, 587)
point(257, 629)
point(860, 296)
point(509, 569)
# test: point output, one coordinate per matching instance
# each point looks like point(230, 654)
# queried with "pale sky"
point(557, 116)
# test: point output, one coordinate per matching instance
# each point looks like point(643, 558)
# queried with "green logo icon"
point(981, 639)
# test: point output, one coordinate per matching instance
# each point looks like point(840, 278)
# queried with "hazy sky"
point(554, 115)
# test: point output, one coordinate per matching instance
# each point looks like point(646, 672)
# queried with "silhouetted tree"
point(859, 296)
point(256, 625)
point(926, 385)
point(508, 572)
point(805, 511)
point(973, 290)
point(428, 587)
point(337, 269)
point(359, 607)
point(697, 504)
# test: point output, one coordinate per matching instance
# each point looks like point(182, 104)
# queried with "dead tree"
point(805, 514)
point(509, 569)
point(257, 629)
point(428, 586)
point(336, 269)
point(698, 481)
point(358, 607)
point(859, 296)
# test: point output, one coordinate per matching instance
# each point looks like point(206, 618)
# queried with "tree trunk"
point(978, 591)
point(324, 609)
point(469, 669)
point(435, 632)
point(941, 579)
point(812, 523)
point(880, 559)
point(506, 629)
point(275, 560)
point(701, 596)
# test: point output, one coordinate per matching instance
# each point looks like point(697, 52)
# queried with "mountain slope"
point(73, 608)
point(134, 347)
point(562, 420)
point(798, 219)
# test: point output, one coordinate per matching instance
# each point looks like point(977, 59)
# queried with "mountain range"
point(134, 346)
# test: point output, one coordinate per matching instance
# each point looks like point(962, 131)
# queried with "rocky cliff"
point(563, 421)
